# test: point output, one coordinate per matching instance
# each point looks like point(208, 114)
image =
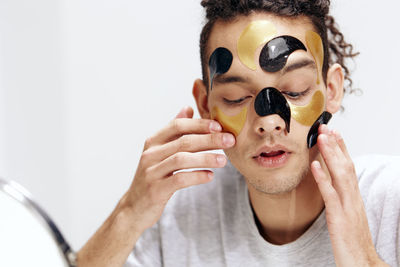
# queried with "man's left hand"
point(345, 214)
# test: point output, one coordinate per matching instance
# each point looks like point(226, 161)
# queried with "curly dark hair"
point(336, 49)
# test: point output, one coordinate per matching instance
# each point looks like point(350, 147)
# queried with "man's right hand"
point(173, 149)
point(156, 180)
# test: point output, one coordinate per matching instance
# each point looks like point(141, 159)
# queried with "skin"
point(329, 182)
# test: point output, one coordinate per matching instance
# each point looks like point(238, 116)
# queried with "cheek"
point(237, 154)
point(298, 133)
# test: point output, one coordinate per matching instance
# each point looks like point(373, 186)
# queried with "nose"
point(270, 101)
point(271, 124)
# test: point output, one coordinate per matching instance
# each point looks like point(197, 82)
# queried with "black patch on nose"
point(275, 53)
point(270, 101)
point(313, 133)
point(219, 63)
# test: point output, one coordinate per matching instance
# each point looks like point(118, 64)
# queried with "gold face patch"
point(233, 124)
point(314, 44)
point(307, 114)
point(255, 34)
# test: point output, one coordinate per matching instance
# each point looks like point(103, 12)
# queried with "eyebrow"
point(224, 79)
point(304, 63)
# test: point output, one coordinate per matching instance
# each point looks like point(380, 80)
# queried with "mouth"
point(272, 157)
point(272, 154)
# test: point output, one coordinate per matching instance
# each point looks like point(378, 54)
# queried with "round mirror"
point(28, 237)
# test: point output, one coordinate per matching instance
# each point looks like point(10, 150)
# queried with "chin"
point(274, 185)
point(272, 181)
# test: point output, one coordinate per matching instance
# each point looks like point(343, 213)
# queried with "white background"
point(84, 82)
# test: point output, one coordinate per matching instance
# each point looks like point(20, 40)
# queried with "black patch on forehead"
point(275, 53)
point(270, 101)
point(219, 63)
point(313, 133)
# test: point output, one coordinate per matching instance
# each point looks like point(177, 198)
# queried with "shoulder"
point(379, 182)
point(378, 172)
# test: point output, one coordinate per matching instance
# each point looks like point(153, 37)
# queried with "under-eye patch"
point(233, 124)
point(274, 55)
point(270, 101)
point(219, 63)
point(307, 114)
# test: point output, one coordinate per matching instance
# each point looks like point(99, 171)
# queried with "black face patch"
point(313, 133)
point(219, 63)
point(270, 101)
point(275, 53)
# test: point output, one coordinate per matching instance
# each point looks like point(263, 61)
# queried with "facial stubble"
point(279, 184)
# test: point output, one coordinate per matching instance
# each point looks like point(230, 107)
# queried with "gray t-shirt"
point(213, 225)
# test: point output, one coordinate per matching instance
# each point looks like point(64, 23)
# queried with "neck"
point(282, 218)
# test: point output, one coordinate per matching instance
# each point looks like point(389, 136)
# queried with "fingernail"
point(215, 126)
point(228, 139)
point(316, 164)
point(221, 160)
point(210, 175)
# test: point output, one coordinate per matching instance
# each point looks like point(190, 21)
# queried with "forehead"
point(227, 33)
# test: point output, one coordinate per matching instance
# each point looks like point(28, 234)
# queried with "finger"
point(190, 143)
point(182, 126)
point(341, 143)
point(185, 179)
point(323, 129)
point(186, 160)
point(328, 192)
point(186, 112)
point(330, 151)
point(351, 177)
point(340, 168)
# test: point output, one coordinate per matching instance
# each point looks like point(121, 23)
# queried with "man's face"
point(272, 159)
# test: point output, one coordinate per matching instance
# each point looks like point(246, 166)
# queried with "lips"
point(272, 157)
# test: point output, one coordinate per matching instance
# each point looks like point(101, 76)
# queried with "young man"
point(286, 197)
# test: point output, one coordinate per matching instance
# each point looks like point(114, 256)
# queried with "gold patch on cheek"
point(308, 114)
point(233, 124)
point(254, 35)
point(314, 43)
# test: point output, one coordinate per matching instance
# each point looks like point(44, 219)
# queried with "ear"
point(201, 98)
point(334, 88)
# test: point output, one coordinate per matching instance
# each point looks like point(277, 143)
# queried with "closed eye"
point(296, 95)
point(235, 101)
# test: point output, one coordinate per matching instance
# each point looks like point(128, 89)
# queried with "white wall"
point(370, 122)
point(129, 70)
point(33, 128)
point(83, 83)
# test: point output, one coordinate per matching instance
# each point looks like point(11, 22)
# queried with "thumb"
point(186, 112)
